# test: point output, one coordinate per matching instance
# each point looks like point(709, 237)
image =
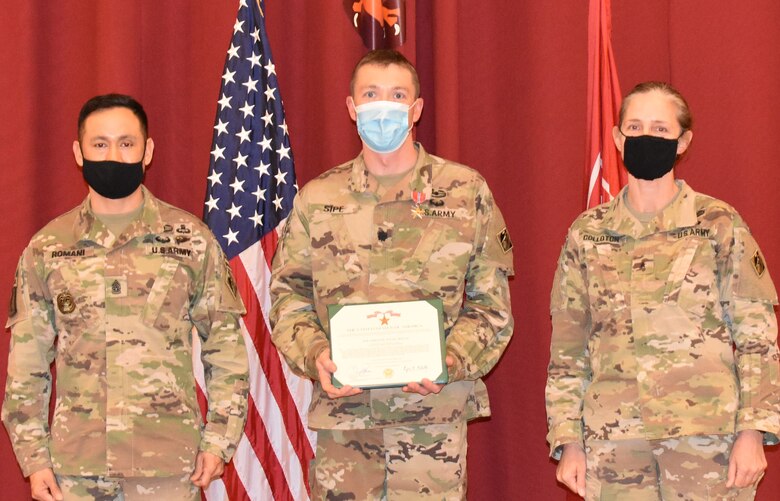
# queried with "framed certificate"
point(380, 345)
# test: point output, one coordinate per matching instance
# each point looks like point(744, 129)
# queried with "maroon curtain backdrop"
point(504, 84)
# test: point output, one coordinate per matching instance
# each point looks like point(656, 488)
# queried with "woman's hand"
point(571, 468)
point(747, 462)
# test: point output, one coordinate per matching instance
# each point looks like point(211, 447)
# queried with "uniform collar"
point(88, 227)
point(680, 213)
point(420, 177)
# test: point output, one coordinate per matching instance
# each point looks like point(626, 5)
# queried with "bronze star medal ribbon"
point(418, 197)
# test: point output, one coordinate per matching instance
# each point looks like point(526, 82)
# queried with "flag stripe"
point(271, 365)
point(255, 431)
point(215, 491)
point(233, 486)
point(289, 466)
point(251, 472)
point(257, 434)
point(299, 389)
point(268, 246)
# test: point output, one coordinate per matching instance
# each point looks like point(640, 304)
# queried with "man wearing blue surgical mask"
point(385, 103)
point(394, 224)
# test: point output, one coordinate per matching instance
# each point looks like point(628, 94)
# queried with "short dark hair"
point(386, 57)
point(107, 101)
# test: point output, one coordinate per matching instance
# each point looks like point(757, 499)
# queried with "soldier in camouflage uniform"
point(399, 225)
point(110, 292)
point(663, 377)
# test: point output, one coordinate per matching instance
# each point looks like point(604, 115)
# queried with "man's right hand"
point(43, 486)
point(571, 468)
point(325, 369)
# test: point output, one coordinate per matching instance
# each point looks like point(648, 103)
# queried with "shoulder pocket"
point(440, 260)
point(163, 297)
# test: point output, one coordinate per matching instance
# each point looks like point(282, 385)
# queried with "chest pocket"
point(76, 288)
point(335, 261)
point(167, 298)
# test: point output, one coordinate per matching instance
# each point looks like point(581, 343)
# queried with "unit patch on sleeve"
point(12, 310)
point(758, 263)
point(504, 241)
point(229, 280)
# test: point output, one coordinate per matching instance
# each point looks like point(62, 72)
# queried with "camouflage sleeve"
point(296, 330)
point(215, 312)
point(748, 296)
point(28, 387)
point(484, 325)
point(568, 373)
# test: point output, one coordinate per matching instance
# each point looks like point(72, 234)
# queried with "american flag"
point(603, 173)
point(251, 186)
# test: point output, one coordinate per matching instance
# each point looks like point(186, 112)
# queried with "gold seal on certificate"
point(390, 344)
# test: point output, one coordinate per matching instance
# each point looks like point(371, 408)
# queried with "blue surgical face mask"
point(383, 125)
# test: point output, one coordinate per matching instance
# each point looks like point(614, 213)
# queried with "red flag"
point(604, 174)
point(379, 22)
point(251, 186)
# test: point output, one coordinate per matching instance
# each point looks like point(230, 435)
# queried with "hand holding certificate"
point(387, 344)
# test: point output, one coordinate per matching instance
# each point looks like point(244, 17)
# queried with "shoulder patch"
point(758, 263)
point(229, 280)
point(756, 283)
point(504, 241)
point(12, 309)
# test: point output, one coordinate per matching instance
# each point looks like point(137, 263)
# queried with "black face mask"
point(649, 157)
point(113, 179)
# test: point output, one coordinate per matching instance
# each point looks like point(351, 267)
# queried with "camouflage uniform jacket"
point(662, 329)
point(333, 252)
point(116, 313)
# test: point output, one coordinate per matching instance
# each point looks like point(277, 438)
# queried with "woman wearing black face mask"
point(663, 377)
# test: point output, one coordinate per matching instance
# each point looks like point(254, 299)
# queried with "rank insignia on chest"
point(418, 212)
point(65, 302)
point(116, 286)
point(758, 264)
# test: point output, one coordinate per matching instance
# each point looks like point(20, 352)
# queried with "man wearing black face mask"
point(119, 283)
